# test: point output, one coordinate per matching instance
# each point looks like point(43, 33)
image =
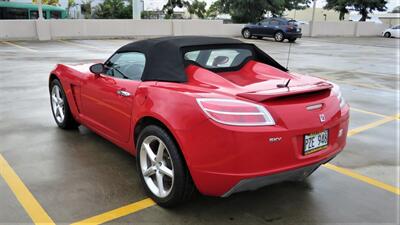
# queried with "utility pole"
point(136, 9)
point(313, 18)
point(40, 9)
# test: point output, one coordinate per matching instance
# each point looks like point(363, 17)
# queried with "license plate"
point(315, 142)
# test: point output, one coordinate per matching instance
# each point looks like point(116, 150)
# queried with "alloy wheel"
point(279, 36)
point(57, 101)
point(246, 33)
point(156, 166)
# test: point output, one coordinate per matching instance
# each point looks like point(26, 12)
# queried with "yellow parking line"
point(367, 112)
point(81, 45)
point(372, 125)
point(360, 177)
point(19, 46)
point(117, 213)
point(24, 196)
point(363, 178)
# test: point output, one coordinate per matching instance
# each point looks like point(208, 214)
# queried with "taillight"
point(336, 91)
point(235, 112)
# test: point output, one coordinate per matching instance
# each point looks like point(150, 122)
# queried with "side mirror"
point(97, 68)
point(259, 23)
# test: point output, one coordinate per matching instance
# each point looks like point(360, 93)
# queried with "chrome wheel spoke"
point(149, 152)
point(61, 112)
point(166, 171)
point(160, 152)
point(57, 92)
point(160, 184)
point(54, 99)
point(56, 111)
point(150, 171)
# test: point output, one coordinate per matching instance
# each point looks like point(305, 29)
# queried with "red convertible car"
point(212, 114)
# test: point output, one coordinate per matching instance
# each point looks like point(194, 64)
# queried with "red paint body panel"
point(218, 156)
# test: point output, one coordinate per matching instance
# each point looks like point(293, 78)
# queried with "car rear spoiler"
point(260, 96)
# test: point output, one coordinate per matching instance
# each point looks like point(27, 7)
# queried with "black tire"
point(246, 33)
point(387, 34)
point(68, 122)
point(182, 188)
point(279, 36)
point(292, 40)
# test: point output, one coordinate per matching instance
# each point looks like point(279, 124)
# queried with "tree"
point(47, 2)
point(254, 10)
point(71, 3)
point(168, 8)
point(214, 9)
point(113, 9)
point(196, 7)
point(339, 6)
point(364, 7)
point(86, 8)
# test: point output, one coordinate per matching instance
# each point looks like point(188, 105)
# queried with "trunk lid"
point(290, 91)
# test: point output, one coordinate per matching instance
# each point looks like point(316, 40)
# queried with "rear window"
point(219, 58)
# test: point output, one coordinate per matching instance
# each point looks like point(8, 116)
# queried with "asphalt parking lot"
point(52, 176)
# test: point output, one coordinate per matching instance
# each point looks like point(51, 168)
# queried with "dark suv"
point(278, 28)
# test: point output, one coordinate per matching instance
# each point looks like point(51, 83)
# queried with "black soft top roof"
point(165, 55)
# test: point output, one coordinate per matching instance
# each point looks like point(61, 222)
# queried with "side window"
point(33, 14)
point(127, 65)
point(220, 58)
point(15, 13)
point(274, 22)
point(55, 14)
point(192, 55)
point(264, 22)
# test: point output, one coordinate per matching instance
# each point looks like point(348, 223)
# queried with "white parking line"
point(19, 46)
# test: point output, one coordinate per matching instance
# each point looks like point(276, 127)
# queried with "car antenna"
point(284, 85)
point(288, 56)
point(287, 60)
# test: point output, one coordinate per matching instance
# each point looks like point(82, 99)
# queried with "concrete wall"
point(364, 29)
point(81, 29)
point(17, 29)
point(75, 29)
point(206, 27)
point(343, 29)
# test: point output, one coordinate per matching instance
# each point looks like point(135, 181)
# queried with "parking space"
point(77, 176)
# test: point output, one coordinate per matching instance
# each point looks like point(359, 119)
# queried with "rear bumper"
point(258, 182)
point(226, 159)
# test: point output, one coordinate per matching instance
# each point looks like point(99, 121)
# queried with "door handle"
point(123, 93)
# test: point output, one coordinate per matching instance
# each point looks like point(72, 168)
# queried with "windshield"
point(219, 58)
